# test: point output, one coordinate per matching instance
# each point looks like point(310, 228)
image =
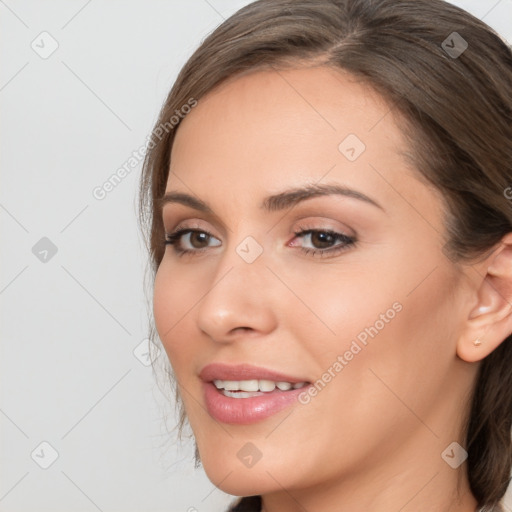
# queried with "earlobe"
point(489, 322)
point(474, 350)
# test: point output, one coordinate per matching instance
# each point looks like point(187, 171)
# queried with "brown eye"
point(325, 242)
point(199, 239)
point(322, 239)
point(190, 240)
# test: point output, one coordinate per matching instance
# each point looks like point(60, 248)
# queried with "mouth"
point(244, 394)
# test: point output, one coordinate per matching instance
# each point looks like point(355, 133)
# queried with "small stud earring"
point(477, 342)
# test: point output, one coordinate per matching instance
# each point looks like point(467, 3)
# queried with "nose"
point(241, 299)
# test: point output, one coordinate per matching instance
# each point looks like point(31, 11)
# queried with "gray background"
point(73, 370)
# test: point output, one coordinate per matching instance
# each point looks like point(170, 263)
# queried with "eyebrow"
point(276, 202)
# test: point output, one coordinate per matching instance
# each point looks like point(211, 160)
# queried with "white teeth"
point(249, 385)
point(232, 385)
point(253, 385)
point(267, 385)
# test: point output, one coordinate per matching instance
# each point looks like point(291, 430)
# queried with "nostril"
point(242, 328)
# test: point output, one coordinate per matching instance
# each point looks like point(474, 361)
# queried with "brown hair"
point(455, 103)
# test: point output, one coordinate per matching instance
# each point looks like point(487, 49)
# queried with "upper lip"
point(221, 371)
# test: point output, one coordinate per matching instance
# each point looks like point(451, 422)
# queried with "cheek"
point(163, 304)
point(334, 304)
point(393, 328)
point(405, 357)
point(173, 300)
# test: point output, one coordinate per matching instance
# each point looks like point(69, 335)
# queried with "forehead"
point(267, 130)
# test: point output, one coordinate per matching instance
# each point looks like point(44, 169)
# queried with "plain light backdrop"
point(82, 422)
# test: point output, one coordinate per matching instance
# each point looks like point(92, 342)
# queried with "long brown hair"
point(449, 77)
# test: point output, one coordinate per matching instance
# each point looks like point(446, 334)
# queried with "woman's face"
point(365, 308)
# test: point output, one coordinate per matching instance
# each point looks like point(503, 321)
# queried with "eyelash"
point(348, 241)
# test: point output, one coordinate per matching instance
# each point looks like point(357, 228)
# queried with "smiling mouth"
point(244, 394)
point(254, 387)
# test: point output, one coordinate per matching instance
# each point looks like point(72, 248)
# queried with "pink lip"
point(222, 371)
point(243, 411)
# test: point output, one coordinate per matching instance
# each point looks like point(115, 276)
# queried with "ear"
point(490, 321)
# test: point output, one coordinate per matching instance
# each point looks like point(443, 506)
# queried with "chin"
point(231, 476)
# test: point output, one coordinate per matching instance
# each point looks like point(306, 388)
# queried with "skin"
point(372, 438)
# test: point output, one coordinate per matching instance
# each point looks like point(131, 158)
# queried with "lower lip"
point(243, 411)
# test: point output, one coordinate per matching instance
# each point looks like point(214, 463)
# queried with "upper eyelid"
point(187, 223)
point(194, 225)
point(305, 217)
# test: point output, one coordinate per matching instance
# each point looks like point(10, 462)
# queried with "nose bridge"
point(239, 295)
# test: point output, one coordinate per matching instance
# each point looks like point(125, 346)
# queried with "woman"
point(330, 230)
